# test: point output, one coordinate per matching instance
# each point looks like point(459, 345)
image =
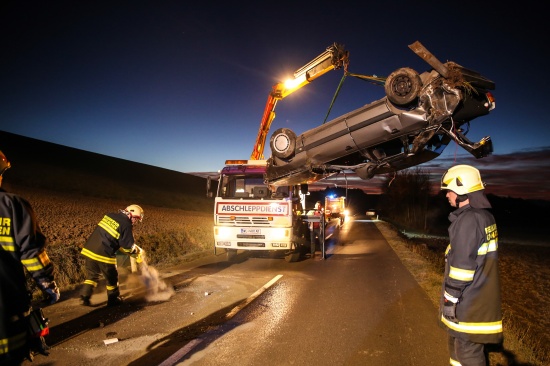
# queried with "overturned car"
point(419, 116)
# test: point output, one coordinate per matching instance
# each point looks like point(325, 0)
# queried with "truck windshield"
point(244, 186)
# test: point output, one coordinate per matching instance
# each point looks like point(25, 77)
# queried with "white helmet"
point(462, 179)
point(4, 163)
point(135, 211)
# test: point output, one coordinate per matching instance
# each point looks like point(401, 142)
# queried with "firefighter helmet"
point(135, 211)
point(462, 179)
point(4, 163)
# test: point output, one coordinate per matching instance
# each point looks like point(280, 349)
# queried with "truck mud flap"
point(293, 257)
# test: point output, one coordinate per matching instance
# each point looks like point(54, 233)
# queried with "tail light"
point(490, 101)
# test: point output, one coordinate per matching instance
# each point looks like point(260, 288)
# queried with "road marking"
point(179, 354)
point(238, 308)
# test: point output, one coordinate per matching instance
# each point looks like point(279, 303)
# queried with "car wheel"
point(403, 86)
point(283, 143)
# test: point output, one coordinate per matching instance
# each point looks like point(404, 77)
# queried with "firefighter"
point(315, 227)
point(470, 307)
point(113, 233)
point(22, 246)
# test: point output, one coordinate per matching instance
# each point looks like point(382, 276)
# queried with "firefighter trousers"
point(466, 353)
point(94, 270)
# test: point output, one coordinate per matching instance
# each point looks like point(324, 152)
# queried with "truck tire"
point(283, 143)
point(293, 257)
point(231, 255)
point(403, 86)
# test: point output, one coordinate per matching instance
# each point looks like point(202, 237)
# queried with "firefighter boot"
point(114, 300)
point(85, 300)
point(86, 294)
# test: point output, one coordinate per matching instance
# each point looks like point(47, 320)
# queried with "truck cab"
point(253, 216)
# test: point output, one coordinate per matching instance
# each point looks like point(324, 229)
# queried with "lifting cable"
point(335, 95)
point(369, 78)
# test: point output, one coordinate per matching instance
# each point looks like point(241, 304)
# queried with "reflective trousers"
point(94, 270)
point(465, 353)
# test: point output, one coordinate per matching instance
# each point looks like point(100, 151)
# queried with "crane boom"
point(333, 58)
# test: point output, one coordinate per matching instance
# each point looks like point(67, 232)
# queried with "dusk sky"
point(182, 85)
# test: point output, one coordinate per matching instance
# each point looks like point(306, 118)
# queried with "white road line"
point(238, 308)
point(179, 354)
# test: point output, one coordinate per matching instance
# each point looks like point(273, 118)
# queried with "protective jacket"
point(315, 225)
point(113, 232)
point(22, 245)
point(472, 278)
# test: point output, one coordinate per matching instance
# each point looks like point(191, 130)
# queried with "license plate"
point(251, 231)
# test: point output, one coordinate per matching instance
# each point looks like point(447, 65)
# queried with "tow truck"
point(250, 214)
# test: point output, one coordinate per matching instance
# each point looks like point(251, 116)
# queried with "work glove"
point(140, 256)
point(137, 253)
point(449, 311)
point(50, 290)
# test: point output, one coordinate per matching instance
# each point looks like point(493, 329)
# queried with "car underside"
point(419, 116)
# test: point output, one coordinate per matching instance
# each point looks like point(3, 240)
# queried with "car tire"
point(403, 86)
point(283, 143)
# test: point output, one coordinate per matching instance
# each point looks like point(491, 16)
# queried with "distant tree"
point(406, 198)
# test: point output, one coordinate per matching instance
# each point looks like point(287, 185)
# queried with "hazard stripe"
point(104, 224)
point(97, 257)
point(474, 328)
point(461, 274)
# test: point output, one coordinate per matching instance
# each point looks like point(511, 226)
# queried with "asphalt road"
point(358, 306)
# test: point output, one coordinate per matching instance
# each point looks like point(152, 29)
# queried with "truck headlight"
point(280, 234)
point(222, 232)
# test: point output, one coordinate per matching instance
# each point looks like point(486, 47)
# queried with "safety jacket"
point(22, 245)
point(472, 278)
point(113, 232)
point(315, 225)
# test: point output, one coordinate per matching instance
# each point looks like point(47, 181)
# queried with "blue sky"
point(183, 86)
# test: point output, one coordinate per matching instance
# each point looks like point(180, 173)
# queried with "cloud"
point(521, 174)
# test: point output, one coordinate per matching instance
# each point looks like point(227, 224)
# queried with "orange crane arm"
point(333, 58)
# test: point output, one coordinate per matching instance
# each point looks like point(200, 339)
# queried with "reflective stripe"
point(97, 257)
point(7, 243)
point(111, 288)
point(454, 362)
point(109, 225)
point(37, 263)
point(91, 283)
point(490, 246)
point(461, 274)
point(474, 328)
point(450, 297)
point(13, 343)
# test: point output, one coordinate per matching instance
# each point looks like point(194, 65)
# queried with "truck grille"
point(257, 245)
